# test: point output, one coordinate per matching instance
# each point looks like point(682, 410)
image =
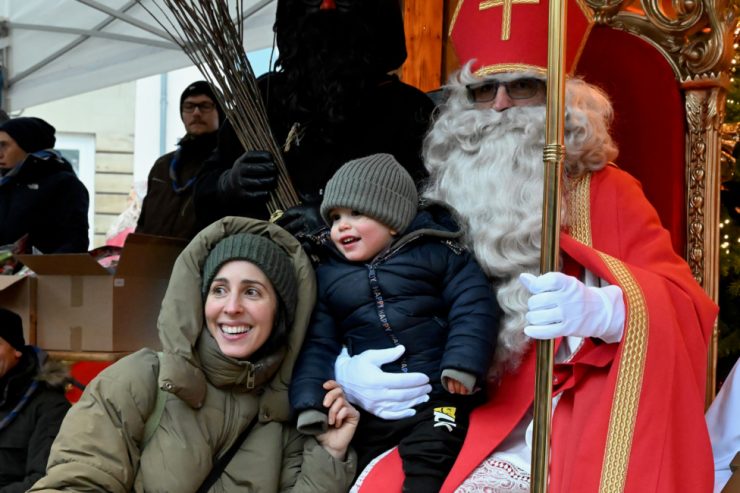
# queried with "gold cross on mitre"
point(506, 14)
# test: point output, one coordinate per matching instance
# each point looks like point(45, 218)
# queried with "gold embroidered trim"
point(629, 381)
point(509, 67)
point(454, 16)
point(579, 210)
point(506, 14)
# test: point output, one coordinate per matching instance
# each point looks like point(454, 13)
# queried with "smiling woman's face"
point(240, 308)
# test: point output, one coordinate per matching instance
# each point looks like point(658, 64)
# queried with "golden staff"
point(553, 155)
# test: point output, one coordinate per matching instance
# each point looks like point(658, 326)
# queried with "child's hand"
point(342, 419)
point(455, 387)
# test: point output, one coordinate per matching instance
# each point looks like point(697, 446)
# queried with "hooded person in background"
point(630, 323)
point(40, 194)
point(167, 209)
point(332, 100)
point(32, 406)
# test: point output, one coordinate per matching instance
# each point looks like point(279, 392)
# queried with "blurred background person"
point(41, 197)
point(167, 209)
point(32, 406)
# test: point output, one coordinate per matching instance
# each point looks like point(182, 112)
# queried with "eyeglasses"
point(205, 107)
point(525, 88)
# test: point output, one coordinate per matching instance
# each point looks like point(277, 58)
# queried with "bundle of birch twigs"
point(212, 37)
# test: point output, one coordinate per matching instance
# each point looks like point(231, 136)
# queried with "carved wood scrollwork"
point(695, 37)
point(704, 115)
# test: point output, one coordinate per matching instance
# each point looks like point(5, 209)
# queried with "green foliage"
point(728, 345)
point(728, 349)
point(733, 99)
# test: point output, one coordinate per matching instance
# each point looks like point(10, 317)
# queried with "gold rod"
point(553, 156)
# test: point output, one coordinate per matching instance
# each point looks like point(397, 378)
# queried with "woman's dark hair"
point(278, 337)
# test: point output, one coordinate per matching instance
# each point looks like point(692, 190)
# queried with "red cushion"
point(649, 124)
point(84, 372)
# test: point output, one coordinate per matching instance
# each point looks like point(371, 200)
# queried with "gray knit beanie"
point(376, 186)
point(263, 253)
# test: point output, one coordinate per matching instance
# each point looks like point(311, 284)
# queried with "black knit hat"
point(199, 88)
point(263, 253)
point(377, 186)
point(378, 22)
point(11, 328)
point(30, 133)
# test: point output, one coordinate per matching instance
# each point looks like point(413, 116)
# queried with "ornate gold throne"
point(666, 67)
point(665, 64)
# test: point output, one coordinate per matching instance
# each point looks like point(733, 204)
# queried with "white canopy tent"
point(51, 49)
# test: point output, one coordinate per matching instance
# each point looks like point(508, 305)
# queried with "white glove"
point(561, 305)
point(386, 395)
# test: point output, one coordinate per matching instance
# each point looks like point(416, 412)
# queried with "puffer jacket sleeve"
point(97, 448)
point(473, 318)
point(309, 468)
point(315, 363)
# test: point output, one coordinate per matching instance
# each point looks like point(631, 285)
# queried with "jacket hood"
point(53, 373)
point(39, 164)
point(434, 220)
point(181, 321)
point(34, 364)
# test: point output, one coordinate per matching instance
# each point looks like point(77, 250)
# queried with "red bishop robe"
point(631, 415)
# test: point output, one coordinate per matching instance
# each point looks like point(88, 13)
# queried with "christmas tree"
point(729, 283)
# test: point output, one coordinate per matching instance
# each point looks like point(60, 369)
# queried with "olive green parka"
point(99, 447)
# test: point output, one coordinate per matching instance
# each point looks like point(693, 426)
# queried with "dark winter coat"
point(437, 301)
point(392, 117)
point(168, 208)
point(42, 197)
point(26, 439)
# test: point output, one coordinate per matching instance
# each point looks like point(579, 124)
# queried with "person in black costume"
point(332, 100)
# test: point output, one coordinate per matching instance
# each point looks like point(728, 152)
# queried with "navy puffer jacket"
point(437, 301)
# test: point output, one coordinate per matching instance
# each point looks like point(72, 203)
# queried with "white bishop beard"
point(488, 167)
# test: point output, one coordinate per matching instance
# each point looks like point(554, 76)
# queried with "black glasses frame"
point(476, 96)
point(204, 107)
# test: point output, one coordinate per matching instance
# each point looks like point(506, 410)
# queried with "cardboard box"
point(82, 306)
point(18, 294)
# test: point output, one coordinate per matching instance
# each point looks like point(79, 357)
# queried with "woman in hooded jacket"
point(231, 325)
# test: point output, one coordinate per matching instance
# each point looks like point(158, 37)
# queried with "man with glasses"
point(629, 322)
point(168, 208)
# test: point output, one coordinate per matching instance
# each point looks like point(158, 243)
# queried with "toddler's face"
point(360, 238)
